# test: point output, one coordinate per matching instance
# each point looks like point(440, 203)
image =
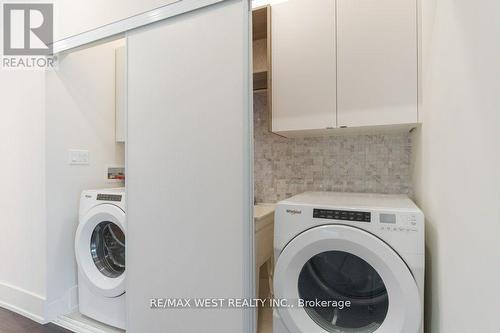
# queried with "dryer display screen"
point(343, 215)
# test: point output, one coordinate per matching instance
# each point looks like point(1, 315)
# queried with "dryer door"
point(100, 250)
point(347, 280)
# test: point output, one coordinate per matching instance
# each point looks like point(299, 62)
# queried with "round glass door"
point(107, 247)
point(346, 281)
point(327, 267)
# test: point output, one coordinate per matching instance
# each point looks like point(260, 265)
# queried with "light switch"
point(78, 157)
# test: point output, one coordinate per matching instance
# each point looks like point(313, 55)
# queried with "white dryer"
point(100, 254)
point(348, 262)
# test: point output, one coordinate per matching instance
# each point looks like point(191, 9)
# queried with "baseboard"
point(81, 324)
point(74, 325)
point(23, 302)
point(63, 306)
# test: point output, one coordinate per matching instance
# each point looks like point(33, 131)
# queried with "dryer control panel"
point(109, 197)
point(342, 215)
point(398, 222)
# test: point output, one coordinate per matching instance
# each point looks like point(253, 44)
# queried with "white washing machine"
point(349, 262)
point(100, 254)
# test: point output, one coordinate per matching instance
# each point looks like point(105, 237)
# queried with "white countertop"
point(262, 210)
point(263, 215)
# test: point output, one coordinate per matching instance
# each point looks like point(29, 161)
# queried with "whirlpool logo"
point(294, 211)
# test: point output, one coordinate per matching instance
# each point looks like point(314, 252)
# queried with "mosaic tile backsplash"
point(353, 163)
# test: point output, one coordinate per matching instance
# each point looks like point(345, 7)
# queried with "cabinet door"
point(303, 58)
point(377, 62)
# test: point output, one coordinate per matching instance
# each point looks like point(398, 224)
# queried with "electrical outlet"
point(78, 157)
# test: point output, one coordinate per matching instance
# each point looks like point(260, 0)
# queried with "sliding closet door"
point(188, 177)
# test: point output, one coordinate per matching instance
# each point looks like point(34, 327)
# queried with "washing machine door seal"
point(109, 219)
point(404, 309)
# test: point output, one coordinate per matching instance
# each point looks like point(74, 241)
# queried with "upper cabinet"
point(120, 93)
point(344, 63)
point(376, 62)
point(304, 68)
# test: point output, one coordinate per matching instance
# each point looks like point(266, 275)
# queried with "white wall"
point(457, 164)
point(22, 193)
point(80, 114)
point(189, 187)
point(74, 17)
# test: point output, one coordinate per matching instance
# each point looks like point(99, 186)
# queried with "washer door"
point(337, 264)
point(100, 250)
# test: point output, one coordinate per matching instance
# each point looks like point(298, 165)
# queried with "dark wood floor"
point(11, 322)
